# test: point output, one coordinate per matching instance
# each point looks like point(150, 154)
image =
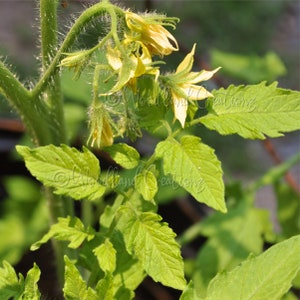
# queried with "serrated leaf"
point(67, 229)
point(69, 171)
point(9, 283)
point(153, 242)
point(75, 288)
point(145, 183)
point(31, 291)
point(124, 155)
point(232, 237)
point(194, 166)
point(267, 276)
point(253, 111)
point(106, 255)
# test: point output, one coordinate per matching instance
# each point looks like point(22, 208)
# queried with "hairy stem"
point(88, 15)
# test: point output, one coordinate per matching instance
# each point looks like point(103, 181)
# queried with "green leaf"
point(194, 166)
point(189, 293)
point(249, 68)
point(232, 237)
point(106, 255)
point(9, 283)
point(67, 229)
point(75, 288)
point(267, 276)
point(253, 111)
point(154, 244)
point(106, 288)
point(146, 184)
point(129, 271)
point(124, 155)
point(31, 291)
point(68, 170)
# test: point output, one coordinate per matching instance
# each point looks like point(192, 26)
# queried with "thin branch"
point(289, 178)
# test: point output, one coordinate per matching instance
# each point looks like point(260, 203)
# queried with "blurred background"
point(253, 41)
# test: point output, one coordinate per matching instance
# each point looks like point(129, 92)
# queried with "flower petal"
point(195, 92)
point(187, 63)
point(180, 106)
point(196, 77)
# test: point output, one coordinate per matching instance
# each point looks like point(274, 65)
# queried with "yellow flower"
point(183, 86)
point(130, 65)
point(149, 31)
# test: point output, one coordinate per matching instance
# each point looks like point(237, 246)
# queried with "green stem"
point(30, 110)
point(75, 30)
point(52, 96)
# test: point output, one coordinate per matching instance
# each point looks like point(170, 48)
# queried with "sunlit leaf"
point(267, 276)
point(106, 255)
point(253, 111)
point(124, 155)
point(67, 229)
point(75, 288)
point(68, 170)
point(153, 242)
point(194, 166)
point(146, 184)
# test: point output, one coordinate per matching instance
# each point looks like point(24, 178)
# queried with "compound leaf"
point(253, 111)
point(194, 166)
point(69, 171)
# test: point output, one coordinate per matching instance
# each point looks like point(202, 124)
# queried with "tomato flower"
point(149, 30)
point(183, 86)
point(130, 65)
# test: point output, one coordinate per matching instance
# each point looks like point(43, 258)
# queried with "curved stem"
point(73, 33)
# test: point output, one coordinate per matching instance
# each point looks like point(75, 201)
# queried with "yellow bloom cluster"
point(144, 38)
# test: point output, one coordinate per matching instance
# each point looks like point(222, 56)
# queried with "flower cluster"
point(128, 59)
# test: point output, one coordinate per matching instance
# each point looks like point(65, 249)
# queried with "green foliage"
point(75, 287)
point(253, 111)
point(67, 229)
point(116, 233)
point(14, 287)
point(69, 171)
point(124, 155)
point(267, 276)
point(194, 166)
point(145, 234)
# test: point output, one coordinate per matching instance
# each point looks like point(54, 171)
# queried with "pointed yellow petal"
point(196, 77)
point(180, 106)
point(196, 92)
point(113, 57)
point(187, 63)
